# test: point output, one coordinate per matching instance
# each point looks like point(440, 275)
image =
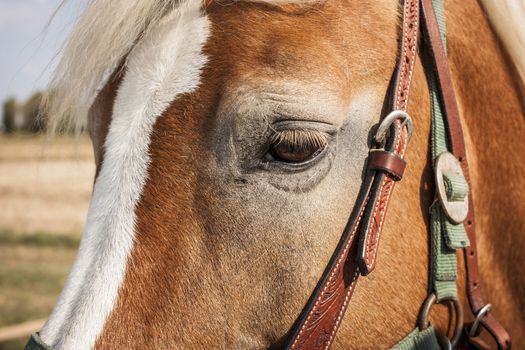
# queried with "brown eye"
point(292, 153)
point(297, 146)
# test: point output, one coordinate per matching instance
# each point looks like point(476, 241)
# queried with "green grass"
point(33, 269)
point(38, 239)
point(13, 344)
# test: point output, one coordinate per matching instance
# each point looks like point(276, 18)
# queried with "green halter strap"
point(446, 235)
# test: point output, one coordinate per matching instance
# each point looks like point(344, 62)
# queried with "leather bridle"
point(356, 252)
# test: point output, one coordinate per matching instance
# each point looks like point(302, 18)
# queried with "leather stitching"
point(343, 308)
point(407, 62)
point(403, 90)
point(382, 202)
point(381, 205)
point(332, 274)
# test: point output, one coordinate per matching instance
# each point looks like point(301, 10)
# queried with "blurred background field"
point(45, 187)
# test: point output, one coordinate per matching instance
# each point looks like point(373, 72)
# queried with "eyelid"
point(300, 137)
point(291, 124)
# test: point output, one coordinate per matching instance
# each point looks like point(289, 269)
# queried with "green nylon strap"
point(455, 186)
point(439, 136)
point(419, 340)
point(445, 237)
point(455, 235)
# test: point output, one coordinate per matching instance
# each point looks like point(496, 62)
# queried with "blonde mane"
point(507, 19)
point(104, 34)
point(108, 30)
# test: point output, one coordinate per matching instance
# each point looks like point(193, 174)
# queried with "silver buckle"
point(481, 314)
point(383, 128)
point(456, 211)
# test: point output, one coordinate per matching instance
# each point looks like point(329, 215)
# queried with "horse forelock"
point(165, 64)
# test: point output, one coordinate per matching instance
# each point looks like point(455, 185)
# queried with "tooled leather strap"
point(385, 179)
point(432, 40)
point(321, 317)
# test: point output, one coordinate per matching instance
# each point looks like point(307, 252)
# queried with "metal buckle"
point(423, 323)
point(384, 127)
point(456, 211)
point(481, 314)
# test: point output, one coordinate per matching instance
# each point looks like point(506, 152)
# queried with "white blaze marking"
point(165, 64)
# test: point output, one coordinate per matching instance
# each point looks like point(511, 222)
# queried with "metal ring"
point(422, 320)
point(444, 342)
point(389, 120)
point(431, 300)
point(481, 314)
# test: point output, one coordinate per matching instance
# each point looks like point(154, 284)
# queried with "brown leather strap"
point(318, 323)
point(382, 188)
point(432, 40)
point(476, 343)
point(388, 162)
point(320, 319)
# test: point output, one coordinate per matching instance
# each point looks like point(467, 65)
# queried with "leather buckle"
point(387, 122)
point(474, 329)
point(389, 162)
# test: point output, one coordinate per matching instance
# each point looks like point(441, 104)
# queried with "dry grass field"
point(45, 186)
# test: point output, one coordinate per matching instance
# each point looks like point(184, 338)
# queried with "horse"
point(230, 139)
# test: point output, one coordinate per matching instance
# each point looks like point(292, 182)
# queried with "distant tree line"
point(23, 117)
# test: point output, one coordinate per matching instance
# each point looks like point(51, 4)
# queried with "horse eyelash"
point(300, 138)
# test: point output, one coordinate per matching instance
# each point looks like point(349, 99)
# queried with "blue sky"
point(27, 47)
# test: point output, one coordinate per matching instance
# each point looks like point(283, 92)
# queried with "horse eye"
point(297, 146)
point(289, 153)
